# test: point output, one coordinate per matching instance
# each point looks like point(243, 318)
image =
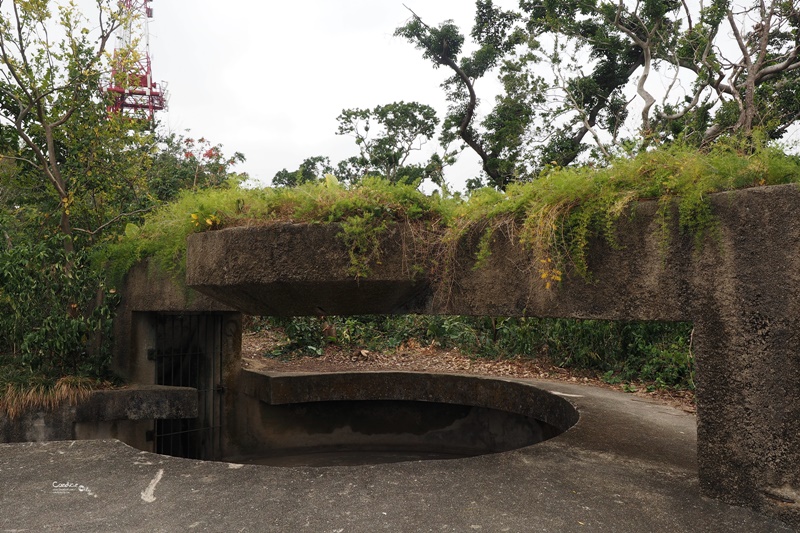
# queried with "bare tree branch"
point(648, 98)
point(112, 221)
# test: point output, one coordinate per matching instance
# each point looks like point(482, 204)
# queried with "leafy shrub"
point(655, 352)
point(623, 351)
point(55, 311)
point(55, 321)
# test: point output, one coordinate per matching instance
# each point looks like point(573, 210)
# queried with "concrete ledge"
point(513, 396)
point(135, 403)
point(138, 402)
point(272, 270)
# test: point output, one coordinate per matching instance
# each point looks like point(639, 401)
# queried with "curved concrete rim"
point(513, 396)
point(627, 465)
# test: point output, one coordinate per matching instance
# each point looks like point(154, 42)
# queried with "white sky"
point(269, 79)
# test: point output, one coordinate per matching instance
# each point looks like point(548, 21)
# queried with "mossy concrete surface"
point(300, 269)
point(740, 286)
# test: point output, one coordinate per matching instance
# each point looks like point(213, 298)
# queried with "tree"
point(311, 169)
point(496, 34)
point(51, 98)
point(691, 43)
point(727, 68)
point(71, 174)
point(183, 162)
point(387, 135)
point(764, 82)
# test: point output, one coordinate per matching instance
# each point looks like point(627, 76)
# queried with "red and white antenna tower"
point(132, 86)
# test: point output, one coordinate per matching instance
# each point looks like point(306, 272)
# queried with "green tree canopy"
point(73, 161)
point(577, 77)
point(386, 137)
point(73, 174)
point(388, 134)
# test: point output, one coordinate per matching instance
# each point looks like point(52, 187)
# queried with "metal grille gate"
point(189, 354)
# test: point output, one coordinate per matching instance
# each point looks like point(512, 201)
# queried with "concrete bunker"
point(741, 290)
point(178, 352)
point(174, 343)
point(171, 337)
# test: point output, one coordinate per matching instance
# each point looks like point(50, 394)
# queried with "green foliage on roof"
point(554, 215)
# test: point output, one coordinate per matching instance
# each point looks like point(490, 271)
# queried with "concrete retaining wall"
point(124, 414)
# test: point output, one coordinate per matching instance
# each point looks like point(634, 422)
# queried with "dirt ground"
point(412, 356)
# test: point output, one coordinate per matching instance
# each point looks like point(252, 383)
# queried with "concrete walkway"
point(627, 466)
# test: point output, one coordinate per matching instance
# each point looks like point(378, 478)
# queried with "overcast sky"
point(269, 79)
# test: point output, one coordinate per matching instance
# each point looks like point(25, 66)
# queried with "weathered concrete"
point(627, 466)
point(147, 293)
point(740, 289)
point(494, 393)
point(278, 414)
point(158, 314)
point(103, 414)
point(138, 402)
point(300, 263)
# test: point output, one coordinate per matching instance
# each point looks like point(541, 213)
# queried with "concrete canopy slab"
point(138, 402)
point(299, 269)
point(628, 465)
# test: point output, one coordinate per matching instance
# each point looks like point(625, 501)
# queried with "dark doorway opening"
point(188, 353)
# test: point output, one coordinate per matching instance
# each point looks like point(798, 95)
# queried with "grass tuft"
point(25, 392)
